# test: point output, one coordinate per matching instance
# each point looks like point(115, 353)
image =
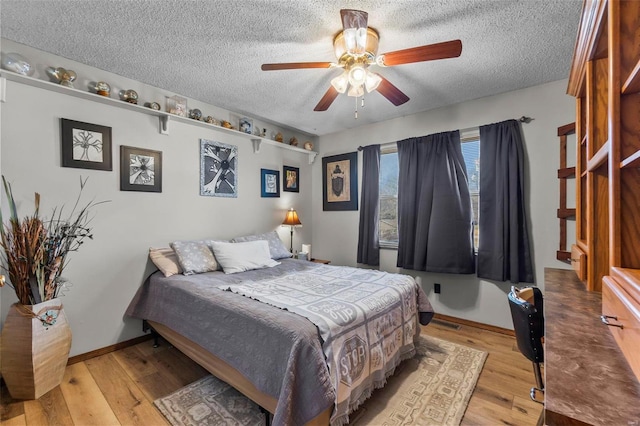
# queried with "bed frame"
point(226, 372)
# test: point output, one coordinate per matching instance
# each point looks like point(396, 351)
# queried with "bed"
point(233, 327)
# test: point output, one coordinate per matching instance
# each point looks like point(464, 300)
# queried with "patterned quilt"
point(367, 320)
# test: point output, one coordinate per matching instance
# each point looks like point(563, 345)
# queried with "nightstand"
point(325, 262)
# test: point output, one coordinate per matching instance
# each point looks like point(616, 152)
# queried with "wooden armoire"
point(605, 79)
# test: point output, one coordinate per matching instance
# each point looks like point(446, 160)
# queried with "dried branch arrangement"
point(36, 250)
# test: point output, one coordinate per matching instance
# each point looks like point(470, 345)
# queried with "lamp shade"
point(291, 218)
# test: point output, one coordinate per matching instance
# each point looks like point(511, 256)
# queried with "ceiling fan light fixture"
point(340, 82)
point(372, 81)
point(357, 75)
point(355, 91)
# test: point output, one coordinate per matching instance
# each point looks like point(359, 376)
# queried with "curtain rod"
point(523, 119)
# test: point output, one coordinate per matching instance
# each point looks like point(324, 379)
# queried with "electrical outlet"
point(436, 288)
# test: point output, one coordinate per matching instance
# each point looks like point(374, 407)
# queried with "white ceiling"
point(212, 50)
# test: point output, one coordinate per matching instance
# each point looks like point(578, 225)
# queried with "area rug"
point(433, 388)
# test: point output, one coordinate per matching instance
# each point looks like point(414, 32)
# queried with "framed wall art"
point(340, 182)
point(218, 169)
point(269, 183)
point(85, 145)
point(290, 179)
point(140, 169)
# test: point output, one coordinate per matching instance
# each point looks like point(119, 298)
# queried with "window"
point(388, 224)
point(471, 154)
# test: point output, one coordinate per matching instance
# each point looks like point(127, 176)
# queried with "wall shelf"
point(632, 85)
point(164, 118)
point(631, 161)
point(600, 158)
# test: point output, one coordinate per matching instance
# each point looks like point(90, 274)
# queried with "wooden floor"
point(120, 387)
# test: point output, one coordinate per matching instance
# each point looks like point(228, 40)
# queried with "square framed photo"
point(140, 169)
point(218, 169)
point(85, 145)
point(269, 183)
point(245, 125)
point(340, 182)
point(290, 179)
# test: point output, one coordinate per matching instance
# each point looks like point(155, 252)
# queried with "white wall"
point(107, 271)
point(335, 234)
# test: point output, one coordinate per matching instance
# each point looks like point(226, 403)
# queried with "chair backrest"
point(527, 314)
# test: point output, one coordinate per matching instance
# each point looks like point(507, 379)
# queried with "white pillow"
point(238, 257)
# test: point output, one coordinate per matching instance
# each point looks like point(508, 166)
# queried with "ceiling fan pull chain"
point(356, 112)
point(362, 103)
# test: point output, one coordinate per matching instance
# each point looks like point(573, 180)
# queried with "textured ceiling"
point(212, 50)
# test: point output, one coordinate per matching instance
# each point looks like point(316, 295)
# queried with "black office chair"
point(528, 322)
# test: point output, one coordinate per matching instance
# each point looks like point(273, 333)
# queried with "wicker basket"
point(35, 348)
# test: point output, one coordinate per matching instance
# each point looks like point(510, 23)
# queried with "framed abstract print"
point(340, 182)
point(269, 183)
point(85, 145)
point(140, 169)
point(290, 179)
point(218, 169)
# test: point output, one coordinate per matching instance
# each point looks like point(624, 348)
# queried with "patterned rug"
point(433, 388)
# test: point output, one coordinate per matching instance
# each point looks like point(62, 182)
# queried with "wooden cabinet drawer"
point(579, 262)
point(617, 303)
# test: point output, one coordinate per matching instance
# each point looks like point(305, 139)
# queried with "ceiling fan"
point(356, 48)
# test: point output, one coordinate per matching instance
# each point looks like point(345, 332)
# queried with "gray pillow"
point(276, 247)
point(195, 257)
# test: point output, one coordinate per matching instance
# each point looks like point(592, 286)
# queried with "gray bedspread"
point(279, 351)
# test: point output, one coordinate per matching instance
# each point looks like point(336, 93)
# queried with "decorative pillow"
point(195, 257)
point(244, 256)
point(276, 247)
point(165, 260)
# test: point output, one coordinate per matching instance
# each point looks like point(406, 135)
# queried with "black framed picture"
point(218, 169)
point(269, 183)
point(290, 179)
point(85, 145)
point(340, 182)
point(140, 169)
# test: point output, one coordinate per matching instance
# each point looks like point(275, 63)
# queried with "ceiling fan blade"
point(391, 92)
point(352, 18)
point(327, 99)
point(430, 52)
point(295, 66)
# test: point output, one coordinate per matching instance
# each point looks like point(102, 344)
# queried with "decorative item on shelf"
point(226, 124)
point(103, 89)
point(36, 337)
point(278, 137)
point(153, 105)
point(292, 220)
point(209, 119)
point(17, 63)
point(195, 114)
point(130, 96)
point(308, 145)
point(64, 77)
point(293, 141)
point(177, 105)
point(264, 133)
point(245, 125)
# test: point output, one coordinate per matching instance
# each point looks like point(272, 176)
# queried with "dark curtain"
point(504, 251)
point(368, 238)
point(434, 206)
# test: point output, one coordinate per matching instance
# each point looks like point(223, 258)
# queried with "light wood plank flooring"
point(120, 387)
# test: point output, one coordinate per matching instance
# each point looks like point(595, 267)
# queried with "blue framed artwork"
point(269, 183)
